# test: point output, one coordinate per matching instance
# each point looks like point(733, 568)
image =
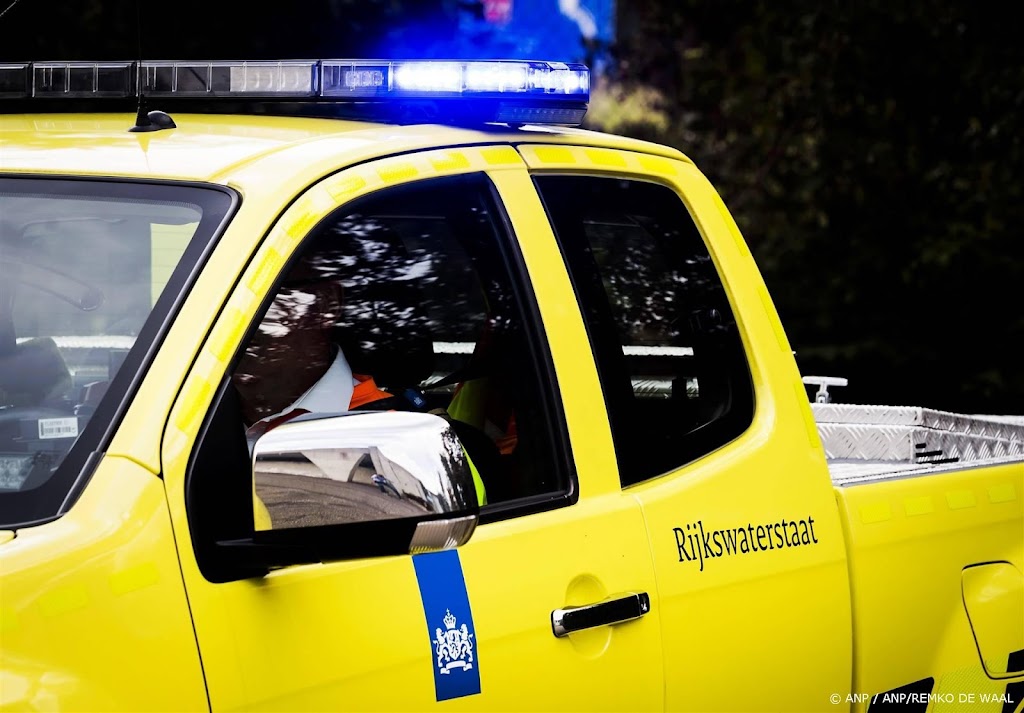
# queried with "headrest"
point(34, 372)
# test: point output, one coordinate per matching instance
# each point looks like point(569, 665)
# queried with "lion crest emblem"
point(453, 646)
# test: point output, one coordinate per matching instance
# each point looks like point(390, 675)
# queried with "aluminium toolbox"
point(910, 434)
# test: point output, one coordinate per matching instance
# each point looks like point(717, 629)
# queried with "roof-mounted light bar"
point(493, 90)
point(361, 78)
point(230, 79)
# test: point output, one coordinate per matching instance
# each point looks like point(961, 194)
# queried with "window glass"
point(405, 301)
point(82, 267)
point(668, 351)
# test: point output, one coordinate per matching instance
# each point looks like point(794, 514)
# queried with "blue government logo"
point(453, 646)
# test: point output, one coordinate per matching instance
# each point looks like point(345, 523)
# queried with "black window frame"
point(53, 498)
point(606, 340)
point(218, 479)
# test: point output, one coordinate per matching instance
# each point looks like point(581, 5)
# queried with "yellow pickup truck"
point(352, 385)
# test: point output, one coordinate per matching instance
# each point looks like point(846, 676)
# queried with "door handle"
point(612, 611)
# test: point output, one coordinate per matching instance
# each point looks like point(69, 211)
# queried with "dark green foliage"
point(872, 155)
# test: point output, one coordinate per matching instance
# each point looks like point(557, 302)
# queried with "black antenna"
point(142, 122)
point(145, 120)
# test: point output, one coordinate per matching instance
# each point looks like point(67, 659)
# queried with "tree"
point(871, 154)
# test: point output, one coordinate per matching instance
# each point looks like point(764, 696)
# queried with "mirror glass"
point(359, 467)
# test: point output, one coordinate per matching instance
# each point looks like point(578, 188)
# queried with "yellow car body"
point(106, 607)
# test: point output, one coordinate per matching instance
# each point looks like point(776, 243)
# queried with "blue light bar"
point(509, 91)
point(363, 78)
point(492, 90)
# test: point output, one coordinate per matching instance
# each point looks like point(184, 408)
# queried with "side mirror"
point(362, 484)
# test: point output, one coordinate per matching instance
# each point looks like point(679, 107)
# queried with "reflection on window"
point(668, 350)
point(78, 278)
point(167, 244)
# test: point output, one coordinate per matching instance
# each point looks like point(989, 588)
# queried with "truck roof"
point(215, 147)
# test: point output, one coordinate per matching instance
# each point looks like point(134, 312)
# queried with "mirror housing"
point(358, 484)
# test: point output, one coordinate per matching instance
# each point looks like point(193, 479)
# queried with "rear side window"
point(668, 352)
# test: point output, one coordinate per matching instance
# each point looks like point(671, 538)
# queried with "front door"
point(431, 288)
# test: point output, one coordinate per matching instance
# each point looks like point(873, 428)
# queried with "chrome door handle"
point(612, 611)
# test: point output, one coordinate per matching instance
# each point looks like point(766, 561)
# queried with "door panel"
point(363, 634)
point(520, 570)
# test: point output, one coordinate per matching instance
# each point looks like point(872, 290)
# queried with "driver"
point(291, 366)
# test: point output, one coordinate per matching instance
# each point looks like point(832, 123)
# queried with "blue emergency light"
point(508, 91)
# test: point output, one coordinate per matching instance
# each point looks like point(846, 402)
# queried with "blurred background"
point(871, 152)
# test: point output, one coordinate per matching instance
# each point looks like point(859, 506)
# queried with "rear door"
point(453, 287)
point(712, 433)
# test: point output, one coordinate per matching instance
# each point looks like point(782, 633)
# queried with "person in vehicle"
point(293, 365)
point(276, 384)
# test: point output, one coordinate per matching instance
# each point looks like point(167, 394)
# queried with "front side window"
point(668, 350)
point(409, 300)
point(83, 266)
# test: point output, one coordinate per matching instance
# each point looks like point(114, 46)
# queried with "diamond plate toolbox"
point(914, 435)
